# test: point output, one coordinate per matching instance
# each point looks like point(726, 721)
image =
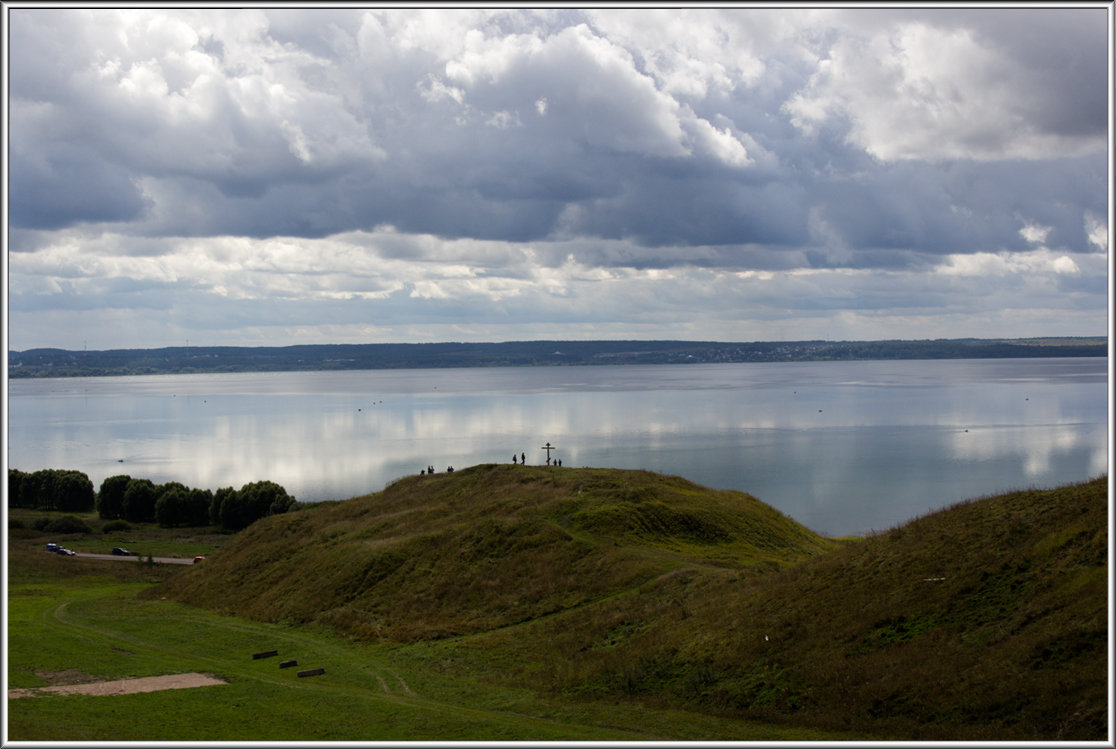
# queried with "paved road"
point(161, 560)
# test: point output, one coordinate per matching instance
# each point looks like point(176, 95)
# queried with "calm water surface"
point(843, 447)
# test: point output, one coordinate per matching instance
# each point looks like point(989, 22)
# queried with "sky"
point(356, 174)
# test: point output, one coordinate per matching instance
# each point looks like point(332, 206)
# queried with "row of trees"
point(50, 489)
point(170, 505)
point(174, 504)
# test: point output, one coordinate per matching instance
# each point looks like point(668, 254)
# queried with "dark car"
point(198, 559)
point(121, 552)
point(52, 547)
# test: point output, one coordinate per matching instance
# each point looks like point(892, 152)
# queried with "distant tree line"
point(138, 500)
point(65, 363)
point(50, 489)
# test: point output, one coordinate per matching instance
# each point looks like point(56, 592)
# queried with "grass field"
point(73, 620)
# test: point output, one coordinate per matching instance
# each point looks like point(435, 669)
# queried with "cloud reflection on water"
point(839, 458)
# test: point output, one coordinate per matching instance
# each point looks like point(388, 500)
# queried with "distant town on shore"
point(50, 362)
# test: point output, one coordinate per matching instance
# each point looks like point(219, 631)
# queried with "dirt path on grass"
point(124, 686)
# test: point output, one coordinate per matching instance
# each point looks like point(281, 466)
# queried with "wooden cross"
point(548, 447)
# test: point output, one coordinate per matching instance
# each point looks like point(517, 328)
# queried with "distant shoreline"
point(50, 362)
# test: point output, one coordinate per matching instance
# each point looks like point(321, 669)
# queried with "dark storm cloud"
point(68, 186)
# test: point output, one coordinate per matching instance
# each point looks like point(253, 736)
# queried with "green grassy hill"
point(478, 549)
point(986, 620)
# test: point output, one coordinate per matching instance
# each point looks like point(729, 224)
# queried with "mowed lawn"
point(78, 621)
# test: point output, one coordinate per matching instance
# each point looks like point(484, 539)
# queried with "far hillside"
point(987, 620)
point(51, 362)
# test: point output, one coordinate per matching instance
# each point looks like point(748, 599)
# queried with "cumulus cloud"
point(386, 171)
point(918, 90)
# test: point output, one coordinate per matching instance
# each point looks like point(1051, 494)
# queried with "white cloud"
point(1064, 264)
point(721, 144)
point(914, 90)
point(997, 265)
point(1097, 231)
point(1035, 234)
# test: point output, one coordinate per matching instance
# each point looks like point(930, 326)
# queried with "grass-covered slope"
point(986, 620)
point(483, 548)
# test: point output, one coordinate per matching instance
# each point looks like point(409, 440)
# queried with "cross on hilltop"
point(548, 447)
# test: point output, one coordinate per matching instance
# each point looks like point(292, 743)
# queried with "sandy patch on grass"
point(125, 686)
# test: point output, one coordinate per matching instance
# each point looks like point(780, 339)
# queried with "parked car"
point(52, 547)
point(121, 552)
point(198, 559)
point(67, 552)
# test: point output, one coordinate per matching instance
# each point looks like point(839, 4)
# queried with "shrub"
point(14, 523)
point(116, 525)
point(40, 524)
point(68, 524)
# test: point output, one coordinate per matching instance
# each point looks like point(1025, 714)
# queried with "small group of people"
point(522, 460)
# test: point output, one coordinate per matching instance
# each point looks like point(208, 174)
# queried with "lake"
point(842, 447)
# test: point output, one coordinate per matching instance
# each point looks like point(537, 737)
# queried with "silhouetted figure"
point(449, 470)
point(523, 458)
point(513, 459)
point(422, 472)
point(559, 462)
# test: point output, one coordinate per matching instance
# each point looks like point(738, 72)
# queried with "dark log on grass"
point(264, 654)
point(287, 664)
point(312, 672)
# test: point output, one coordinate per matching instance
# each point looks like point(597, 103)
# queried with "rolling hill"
point(986, 620)
point(460, 553)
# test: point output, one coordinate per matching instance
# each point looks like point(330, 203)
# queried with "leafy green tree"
point(139, 501)
point(252, 502)
point(110, 498)
point(72, 492)
point(168, 506)
point(195, 510)
point(15, 489)
point(162, 489)
point(219, 498)
point(232, 514)
point(38, 489)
